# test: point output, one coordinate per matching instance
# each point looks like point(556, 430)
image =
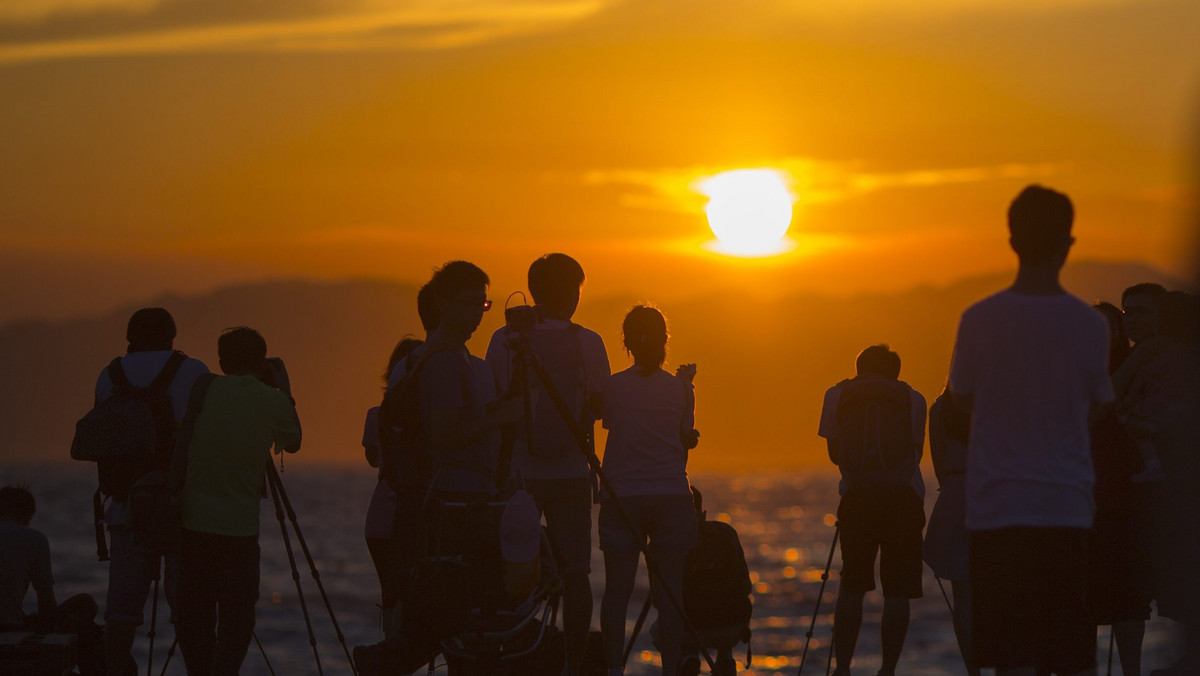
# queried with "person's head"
point(1039, 226)
point(1118, 340)
point(1178, 317)
point(17, 504)
point(242, 351)
point(150, 329)
point(404, 348)
point(460, 291)
point(427, 309)
point(880, 360)
point(554, 281)
point(645, 337)
point(1138, 304)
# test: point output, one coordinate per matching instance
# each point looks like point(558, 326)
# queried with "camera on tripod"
point(522, 318)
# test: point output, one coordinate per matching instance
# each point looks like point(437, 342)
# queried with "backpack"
point(716, 583)
point(130, 432)
point(404, 455)
point(561, 353)
point(875, 441)
point(156, 498)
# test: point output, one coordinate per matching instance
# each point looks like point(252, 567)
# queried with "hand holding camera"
point(686, 372)
point(275, 374)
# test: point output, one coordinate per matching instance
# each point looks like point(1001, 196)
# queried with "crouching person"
point(238, 417)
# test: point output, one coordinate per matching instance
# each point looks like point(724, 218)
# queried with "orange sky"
point(168, 145)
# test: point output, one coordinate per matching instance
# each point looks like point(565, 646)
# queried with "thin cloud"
point(32, 11)
point(812, 181)
point(407, 29)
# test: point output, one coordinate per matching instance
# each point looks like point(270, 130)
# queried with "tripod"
point(283, 504)
point(527, 362)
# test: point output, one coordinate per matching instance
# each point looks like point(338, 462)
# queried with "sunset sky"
point(155, 146)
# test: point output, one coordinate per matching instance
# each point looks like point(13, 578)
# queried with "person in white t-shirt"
point(650, 417)
point(874, 425)
point(546, 459)
point(1031, 363)
point(132, 566)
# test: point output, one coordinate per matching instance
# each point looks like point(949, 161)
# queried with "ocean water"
point(784, 520)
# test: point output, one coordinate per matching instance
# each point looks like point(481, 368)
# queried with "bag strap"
point(98, 524)
point(116, 374)
point(177, 472)
point(164, 378)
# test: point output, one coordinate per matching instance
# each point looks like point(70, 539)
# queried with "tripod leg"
point(263, 652)
point(170, 654)
point(287, 545)
point(312, 566)
point(837, 529)
point(637, 628)
point(153, 618)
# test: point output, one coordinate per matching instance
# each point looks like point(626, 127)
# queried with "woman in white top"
point(650, 418)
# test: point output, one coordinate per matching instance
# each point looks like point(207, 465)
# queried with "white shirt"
point(595, 372)
point(828, 429)
point(1035, 366)
point(645, 416)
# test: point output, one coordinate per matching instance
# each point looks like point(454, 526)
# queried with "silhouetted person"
point(133, 566)
point(546, 458)
point(243, 415)
point(1157, 389)
point(1031, 363)
point(459, 408)
point(650, 417)
point(1138, 310)
point(947, 541)
point(25, 562)
point(1118, 549)
point(381, 513)
point(874, 425)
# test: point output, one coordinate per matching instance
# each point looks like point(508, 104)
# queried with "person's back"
point(1035, 365)
point(1031, 363)
point(24, 559)
point(235, 420)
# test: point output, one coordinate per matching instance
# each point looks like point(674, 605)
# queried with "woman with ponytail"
point(650, 418)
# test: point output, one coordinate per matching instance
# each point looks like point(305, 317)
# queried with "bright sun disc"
point(749, 210)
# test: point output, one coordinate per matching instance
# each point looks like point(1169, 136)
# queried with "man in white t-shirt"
point(874, 425)
point(1031, 364)
point(547, 457)
point(132, 566)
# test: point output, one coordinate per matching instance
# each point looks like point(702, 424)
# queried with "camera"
point(275, 374)
point(521, 318)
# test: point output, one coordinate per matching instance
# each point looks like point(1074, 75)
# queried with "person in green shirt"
point(245, 413)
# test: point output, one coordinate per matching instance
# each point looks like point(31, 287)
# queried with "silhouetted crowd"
point(1065, 446)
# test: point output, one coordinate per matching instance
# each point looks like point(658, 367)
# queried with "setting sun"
point(749, 211)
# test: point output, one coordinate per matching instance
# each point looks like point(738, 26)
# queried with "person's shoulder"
point(917, 397)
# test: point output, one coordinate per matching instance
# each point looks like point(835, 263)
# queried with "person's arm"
point(689, 436)
point(828, 426)
point(370, 440)
point(597, 373)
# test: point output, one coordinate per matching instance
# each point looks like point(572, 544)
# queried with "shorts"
point(887, 520)
point(1029, 593)
point(669, 521)
point(567, 507)
point(132, 569)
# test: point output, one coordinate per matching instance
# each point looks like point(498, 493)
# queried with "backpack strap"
point(116, 374)
point(177, 472)
point(98, 524)
point(164, 378)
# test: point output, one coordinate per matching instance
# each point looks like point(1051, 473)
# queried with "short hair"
point(241, 350)
point(427, 308)
point(880, 360)
point(455, 277)
point(1039, 222)
point(645, 336)
point(555, 277)
point(150, 328)
point(1152, 289)
point(18, 502)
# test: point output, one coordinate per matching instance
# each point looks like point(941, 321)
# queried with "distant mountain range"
point(763, 365)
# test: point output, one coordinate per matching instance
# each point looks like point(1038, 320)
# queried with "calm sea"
point(785, 522)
